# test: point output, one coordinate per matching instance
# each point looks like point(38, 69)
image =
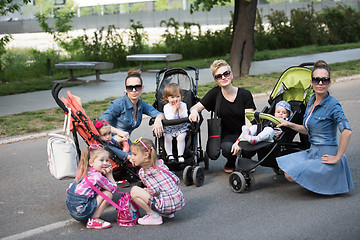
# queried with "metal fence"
point(217, 16)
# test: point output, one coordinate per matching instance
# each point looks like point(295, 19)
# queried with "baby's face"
point(281, 112)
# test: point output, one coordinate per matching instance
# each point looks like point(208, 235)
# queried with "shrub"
point(342, 24)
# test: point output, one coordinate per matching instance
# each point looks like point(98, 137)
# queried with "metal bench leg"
point(141, 66)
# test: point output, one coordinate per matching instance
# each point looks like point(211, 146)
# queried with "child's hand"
point(277, 133)
point(106, 171)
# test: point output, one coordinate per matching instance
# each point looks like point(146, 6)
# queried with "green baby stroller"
point(294, 87)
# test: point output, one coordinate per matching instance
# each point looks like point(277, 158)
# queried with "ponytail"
point(320, 64)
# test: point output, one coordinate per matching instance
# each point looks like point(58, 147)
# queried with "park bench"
point(97, 66)
point(166, 57)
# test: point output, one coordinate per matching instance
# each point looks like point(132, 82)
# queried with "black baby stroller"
point(294, 87)
point(193, 154)
point(82, 125)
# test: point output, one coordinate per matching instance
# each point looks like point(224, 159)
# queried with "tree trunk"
point(242, 48)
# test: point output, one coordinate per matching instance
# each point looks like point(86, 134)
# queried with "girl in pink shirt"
point(82, 202)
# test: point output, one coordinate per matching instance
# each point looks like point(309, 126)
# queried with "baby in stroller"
point(282, 111)
point(174, 109)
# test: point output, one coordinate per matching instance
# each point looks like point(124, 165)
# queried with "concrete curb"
point(14, 139)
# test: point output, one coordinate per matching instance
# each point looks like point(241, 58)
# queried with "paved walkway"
point(114, 82)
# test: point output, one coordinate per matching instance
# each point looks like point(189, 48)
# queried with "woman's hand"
point(284, 123)
point(158, 128)
point(119, 139)
point(328, 159)
point(235, 149)
point(194, 116)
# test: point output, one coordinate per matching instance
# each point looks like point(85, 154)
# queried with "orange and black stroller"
point(82, 125)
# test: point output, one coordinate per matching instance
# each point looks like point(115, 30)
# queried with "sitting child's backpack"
point(128, 211)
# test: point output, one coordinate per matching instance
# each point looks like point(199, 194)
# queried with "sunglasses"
point(131, 88)
point(324, 80)
point(220, 75)
point(138, 140)
point(95, 146)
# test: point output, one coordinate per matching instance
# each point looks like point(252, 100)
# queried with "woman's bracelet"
point(238, 140)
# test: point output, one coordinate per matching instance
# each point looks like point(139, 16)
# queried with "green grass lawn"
point(37, 121)
point(44, 82)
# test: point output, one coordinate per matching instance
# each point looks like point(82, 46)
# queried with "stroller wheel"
point(187, 175)
point(237, 182)
point(198, 176)
point(250, 182)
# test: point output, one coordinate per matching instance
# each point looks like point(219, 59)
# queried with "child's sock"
point(254, 139)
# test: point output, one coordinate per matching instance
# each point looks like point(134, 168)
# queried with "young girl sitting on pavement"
point(161, 195)
point(282, 111)
point(82, 202)
point(174, 109)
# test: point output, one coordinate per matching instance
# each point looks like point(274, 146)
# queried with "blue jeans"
point(81, 208)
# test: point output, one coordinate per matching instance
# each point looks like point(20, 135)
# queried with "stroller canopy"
point(293, 85)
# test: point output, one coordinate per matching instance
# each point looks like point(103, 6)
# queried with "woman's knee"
point(288, 177)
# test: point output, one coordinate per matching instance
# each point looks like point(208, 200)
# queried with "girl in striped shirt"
point(161, 196)
point(82, 202)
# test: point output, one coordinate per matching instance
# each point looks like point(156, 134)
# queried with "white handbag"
point(62, 155)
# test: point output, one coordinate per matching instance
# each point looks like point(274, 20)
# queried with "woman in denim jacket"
point(125, 113)
point(323, 168)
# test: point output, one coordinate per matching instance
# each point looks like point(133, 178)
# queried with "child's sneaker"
point(150, 220)
point(181, 159)
point(97, 224)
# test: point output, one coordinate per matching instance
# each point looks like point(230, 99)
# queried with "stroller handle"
point(55, 93)
point(167, 122)
point(307, 64)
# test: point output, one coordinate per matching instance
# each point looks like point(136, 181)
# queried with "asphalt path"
point(32, 202)
point(113, 84)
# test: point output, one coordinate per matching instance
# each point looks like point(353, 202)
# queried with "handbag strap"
point(216, 112)
point(167, 173)
point(102, 194)
point(66, 128)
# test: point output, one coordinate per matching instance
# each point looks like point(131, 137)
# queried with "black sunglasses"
point(131, 88)
point(220, 75)
point(324, 80)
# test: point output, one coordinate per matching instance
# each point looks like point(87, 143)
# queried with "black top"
point(232, 114)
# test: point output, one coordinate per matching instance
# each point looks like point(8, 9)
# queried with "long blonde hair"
point(86, 155)
point(150, 148)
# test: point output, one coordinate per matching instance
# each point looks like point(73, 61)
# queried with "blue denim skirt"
point(81, 208)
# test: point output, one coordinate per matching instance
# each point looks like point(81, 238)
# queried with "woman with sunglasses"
point(125, 113)
point(234, 102)
point(323, 168)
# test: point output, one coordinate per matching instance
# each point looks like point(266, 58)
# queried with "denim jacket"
point(120, 113)
point(322, 124)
